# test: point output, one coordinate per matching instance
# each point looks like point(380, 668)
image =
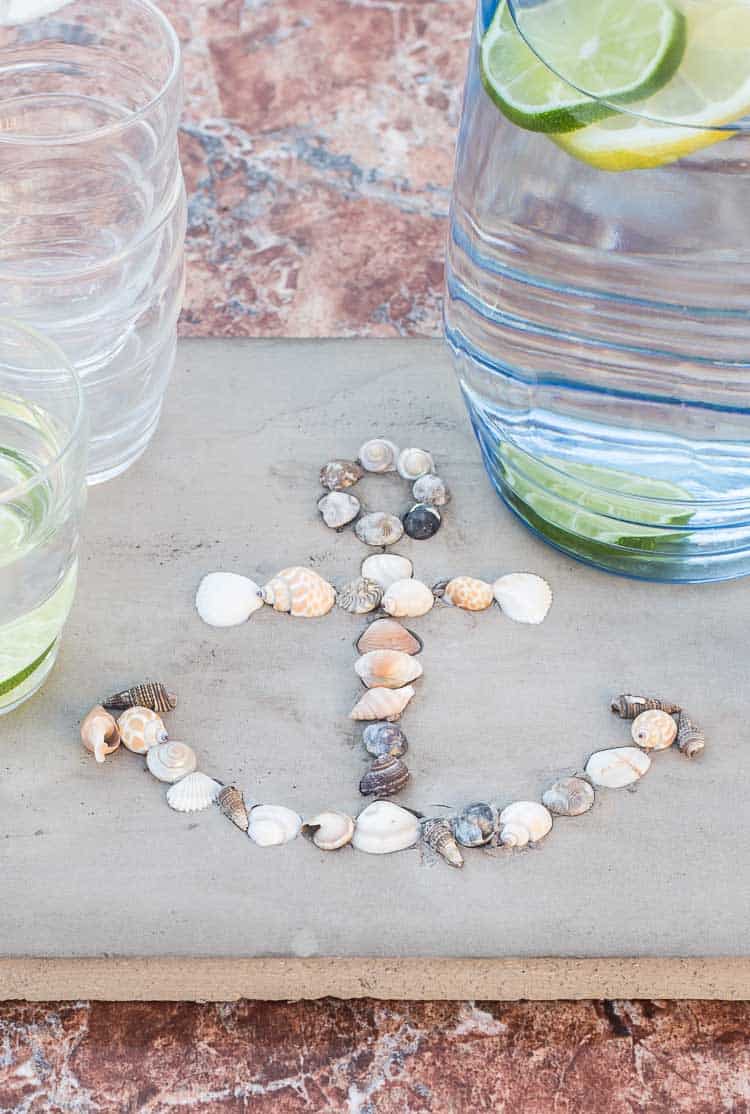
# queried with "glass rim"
point(78, 426)
point(117, 126)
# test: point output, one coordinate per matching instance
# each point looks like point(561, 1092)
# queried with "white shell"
point(618, 767)
point(171, 761)
point(390, 669)
point(379, 529)
point(338, 508)
point(408, 599)
point(382, 703)
point(330, 830)
point(193, 793)
point(378, 455)
point(524, 822)
point(226, 599)
point(386, 568)
point(570, 796)
point(141, 729)
point(413, 463)
point(654, 730)
point(383, 827)
point(525, 598)
point(432, 490)
point(272, 825)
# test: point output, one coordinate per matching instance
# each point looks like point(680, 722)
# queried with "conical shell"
point(379, 529)
point(378, 455)
point(438, 834)
point(523, 822)
point(627, 706)
point(384, 738)
point(523, 597)
point(272, 825)
point(301, 592)
point(387, 568)
point(475, 825)
point(383, 703)
point(389, 669)
point(408, 599)
point(232, 803)
point(432, 490)
point(387, 776)
point(387, 634)
point(360, 596)
point(654, 730)
point(466, 592)
point(616, 768)
point(690, 738)
point(149, 694)
point(226, 599)
point(570, 796)
point(193, 793)
point(99, 733)
point(340, 474)
point(413, 463)
point(141, 729)
point(383, 828)
point(338, 509)
point(329, 830)
point(171, 761)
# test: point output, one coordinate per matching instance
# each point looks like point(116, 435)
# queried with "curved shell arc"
point(141, 729)
point(618, 767)
point(329, 830)
point(193, 793)
point(468, 593)
point(226, 599)
point(388, 634)
point(390, 669)
point(523, 597)
point(171, 761)
point(272, 825)
point(300, 592)
point(570, 796)
point(476, 824)
point(379, 529)
point(413, 463)
point(379, 455)
point(338, 475)
point(654, 730)
point(382, 703)
point(383, 828)
point(524, 822)
point(408, 599)
point(432, 490)
point(386, 568)
point(338, 509)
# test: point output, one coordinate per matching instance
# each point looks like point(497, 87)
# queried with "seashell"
point(384, 738)
point(272, 825)
point(570, 796)
point(329, 830)
point(360, 596)
point(340, 474)
point(523, 822)
point(378, 455)
point(654, 730)
point(628, 706)
point(171, 761)
point(338, 509)
point(140, 729)
point(690, 737)
point(475, 825)
point(413, 463)
point(193, 793)
point(407, 599)
point(226, 599)
point(616, 768)
point(387, 775)
point(438, 834)
point(432, 490)
point(387, 568)
point(387, 634)
point(382, 703)
point(99, 733)
point(379, 528)
point(422, 522)
point(232, 803)
point(383, 828)
point(523, 597)
point(301, 592)
point(465, 592)
point(149, 694)
point(388, 669)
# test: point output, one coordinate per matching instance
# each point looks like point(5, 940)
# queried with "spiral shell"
point(523, 597)
point(383, 828)
point(422, 522)
point(382, 703)
point(616, 768)
point(413, 463)
point(432, 490)
point(171, 761)
point(360, 596)
point(690, 738)
point(627, 706)
point(149, 694)
point(523, 822)
point(378, 455)
point(226, 599)
point(272, 825)
point(466, 592)
point(379, 529)
point(654, 730)
point(475, 825)
point(140, 729)
point(389, 669)
point(337, 475)
point(387, 634)
point(329, 830)
point(99, 733)
point(193, 793)
point(437, 833)
point(407, 599)
point(338, 509)
point(387, 776)
point(387, 568)
point(384, 738)
point(570, 796)
point(232, 804)
point(301, 592)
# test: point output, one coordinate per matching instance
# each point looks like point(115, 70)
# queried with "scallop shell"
point(141, 729)
point(301, 592)
point(387, 568)
point(432, 490)
point(272, 825)
point(383, 828)
point(438, 834)
point(360, 596)
point(149, 694)
point(226, 599)
point(523, 822)
point(378, 455)
point(338, 509)
point(384, 738)
point(466, 592)
point(340, 474)
point(413, 463)
point(329, 830)
point(690, 737)
point(475, 825)
point(379, 529)
point(616, 768)
point(171, 761)
point(523, 597)
point(628, 706)
point(570, 796)
point(407, 599)
point(383, 703)
point(99, 733)
point(387, 775)
point(193, 793)
point(232, 803)
point(422, 522)
point(387, 634)
point(654, 730)
point(389, 669)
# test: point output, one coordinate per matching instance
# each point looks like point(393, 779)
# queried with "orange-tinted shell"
point(469, 593)
point(301, 592)
point(99, 733)
point(141, 729)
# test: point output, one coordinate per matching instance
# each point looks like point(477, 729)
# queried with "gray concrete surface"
point(94, 863)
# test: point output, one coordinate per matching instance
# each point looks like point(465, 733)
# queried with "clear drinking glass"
point(598, 278)
point(92, 205)
point(43, 440)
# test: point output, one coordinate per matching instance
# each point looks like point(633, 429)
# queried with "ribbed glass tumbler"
point(92, 206)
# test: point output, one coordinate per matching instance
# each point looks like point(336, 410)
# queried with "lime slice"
point(711, 88)
point(26, 642)
point(618, 50)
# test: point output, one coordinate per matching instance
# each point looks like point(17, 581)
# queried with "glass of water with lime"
point(43, 440)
